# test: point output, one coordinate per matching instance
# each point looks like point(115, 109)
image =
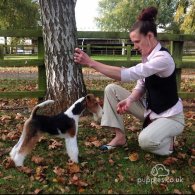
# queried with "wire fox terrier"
point(64, 125)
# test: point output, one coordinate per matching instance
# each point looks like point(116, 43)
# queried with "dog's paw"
point(18, 159)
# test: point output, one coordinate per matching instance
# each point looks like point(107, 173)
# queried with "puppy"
point(64, 125)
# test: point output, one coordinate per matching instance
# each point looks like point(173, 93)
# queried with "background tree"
point(184, 17)
point(64, 79)
point(119, 15)
point(19, 14)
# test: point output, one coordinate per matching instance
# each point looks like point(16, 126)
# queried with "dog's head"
point(93, 106)
point(89, 102)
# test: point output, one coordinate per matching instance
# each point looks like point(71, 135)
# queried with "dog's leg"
point(26, 145)
point(14, 154)
point(25, 149)
point(16, 148)
point(72, 148)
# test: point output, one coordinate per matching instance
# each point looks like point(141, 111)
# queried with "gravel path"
point(31, 75)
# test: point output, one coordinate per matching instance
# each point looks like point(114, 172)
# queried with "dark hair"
point(146, 21)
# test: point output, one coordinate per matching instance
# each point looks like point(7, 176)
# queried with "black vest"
point(161, 92)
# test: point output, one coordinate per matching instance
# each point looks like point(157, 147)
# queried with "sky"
point(86, 11)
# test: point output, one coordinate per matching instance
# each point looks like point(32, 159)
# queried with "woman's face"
point(142, 43)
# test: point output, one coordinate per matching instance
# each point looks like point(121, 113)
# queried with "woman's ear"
point(150, 35)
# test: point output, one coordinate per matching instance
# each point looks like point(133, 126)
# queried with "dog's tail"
point(43, 104)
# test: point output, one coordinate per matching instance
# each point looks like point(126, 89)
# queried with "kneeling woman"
point(162, 110)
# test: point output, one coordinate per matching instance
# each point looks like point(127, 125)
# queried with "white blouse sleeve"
point(140, 85)
point(161, 64)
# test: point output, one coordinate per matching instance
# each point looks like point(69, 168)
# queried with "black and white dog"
point(64, 125)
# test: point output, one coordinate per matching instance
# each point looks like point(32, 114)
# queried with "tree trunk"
point(65, 82)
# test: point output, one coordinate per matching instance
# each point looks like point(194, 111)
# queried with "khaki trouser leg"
point(158, 136)
point(113, 94)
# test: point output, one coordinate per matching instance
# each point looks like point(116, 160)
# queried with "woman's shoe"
point(109, 147)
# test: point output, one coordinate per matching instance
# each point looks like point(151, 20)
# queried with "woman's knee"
point(110, 88)
point(143, 141)
point(146, 143)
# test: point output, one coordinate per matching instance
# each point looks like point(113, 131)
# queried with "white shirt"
point(160, 63)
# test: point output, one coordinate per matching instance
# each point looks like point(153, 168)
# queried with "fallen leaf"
point(83, 164)
point(73, 168)
point(193, 187)
point(95, 125)
point(92, 139)
point(8, 163)
point(101, 162)
point(58, 171)
point(13, 135)
point(96, 143)
point(66, 189)
point(81, 190)
point(39, 174)
point(163, 186)
point(25, 170)
point(148, 157)
point(74, 178)
point(133, 129)
point(37, 191)
point(4, 151)
point(60, 180)
point(121, 177)
point(55, 144)
point(176, 191)
point(134, 156)
point(37, 160)
point(111, 161)
point(5, 118)
point(181, 155)
point(193, 169)
point(193, 151)
point(76, 181)
point(8, 177)
point(19, 116)
point(1, 174)
point(82, 183)
point(19, 127)
point(170, 161)
point(42, 139)
point(88, 144)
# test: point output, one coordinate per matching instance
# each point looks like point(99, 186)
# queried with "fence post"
point(1, 52)
point(177, 52)
point(128, 52)
point(41, 69)
point(89, 49)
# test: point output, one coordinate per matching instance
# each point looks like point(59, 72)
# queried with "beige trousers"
point(156, 137)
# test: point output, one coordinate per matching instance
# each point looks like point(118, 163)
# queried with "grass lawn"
point(20, 57)
point(47, 169)
point(96, 57)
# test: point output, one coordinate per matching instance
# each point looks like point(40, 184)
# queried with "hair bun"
point(148, 14)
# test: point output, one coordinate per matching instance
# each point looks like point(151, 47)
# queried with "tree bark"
point(65, 82)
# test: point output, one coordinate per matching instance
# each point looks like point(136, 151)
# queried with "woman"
point(162, 112)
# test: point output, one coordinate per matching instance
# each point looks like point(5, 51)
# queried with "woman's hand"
point(124, 105)
point(113, 72)
point(81, 57)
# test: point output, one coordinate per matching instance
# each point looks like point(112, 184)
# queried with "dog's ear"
point(90, 97)
point(79, 107)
